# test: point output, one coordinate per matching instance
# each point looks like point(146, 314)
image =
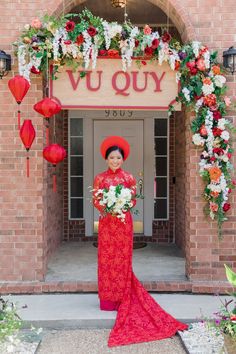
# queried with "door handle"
point(140, 183)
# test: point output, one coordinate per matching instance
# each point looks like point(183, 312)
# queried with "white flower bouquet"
point(116, 200)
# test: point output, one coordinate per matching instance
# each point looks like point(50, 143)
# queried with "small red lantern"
point(54, 153)
point(27, 134)
point(47, 107)
point(19, 87)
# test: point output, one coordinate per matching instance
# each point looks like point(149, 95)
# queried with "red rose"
point(217, 115)
point(233, 318)
point(144, 62)
point(213, 158)
point(166, 37)
point(155, 43)
point(67, 42)
point(80, 39)
point(70, 25)
point(229, 155)
point(230, 190)
point(35, 71)
point(226, 207)
point(148, 51)
point(113, 53)
point(216, 131)
point(92, 31)
point(102, 52)
point(136, 43)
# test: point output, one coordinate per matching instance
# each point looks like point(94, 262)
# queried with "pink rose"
point(213, 206)
point(201, 64)
point(147, 30)
point(36, 23)
point(68, 41)
point(227, 101)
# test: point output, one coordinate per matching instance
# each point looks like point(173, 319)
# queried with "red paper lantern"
point(19, 87)
point(54, 153)
point(27, 134)
point(47, 107)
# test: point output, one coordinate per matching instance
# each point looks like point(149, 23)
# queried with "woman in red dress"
point(139, 318)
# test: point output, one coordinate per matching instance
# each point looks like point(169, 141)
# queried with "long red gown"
point(139, 318)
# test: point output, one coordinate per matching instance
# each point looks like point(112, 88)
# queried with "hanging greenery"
point(78, 39)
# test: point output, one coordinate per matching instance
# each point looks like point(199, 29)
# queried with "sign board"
point(149, 87)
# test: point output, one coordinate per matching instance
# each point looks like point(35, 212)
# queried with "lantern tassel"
point(18, 116)
point(27, 166)
point(54, 182)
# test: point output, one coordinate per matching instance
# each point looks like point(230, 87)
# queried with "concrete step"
point(56, 311)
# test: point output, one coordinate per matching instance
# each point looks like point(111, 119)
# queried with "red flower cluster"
point(80, 39)
point(216, 131)
point(218, 151)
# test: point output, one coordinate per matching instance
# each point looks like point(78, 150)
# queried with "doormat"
point(136, 245)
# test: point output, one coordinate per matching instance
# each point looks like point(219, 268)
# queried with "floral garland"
point(201, 80)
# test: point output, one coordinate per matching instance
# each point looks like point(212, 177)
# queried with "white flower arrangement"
point(116, 200)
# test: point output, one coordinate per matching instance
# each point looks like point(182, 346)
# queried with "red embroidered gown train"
point(139, 318)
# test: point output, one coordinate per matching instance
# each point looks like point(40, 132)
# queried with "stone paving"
point(95, 342)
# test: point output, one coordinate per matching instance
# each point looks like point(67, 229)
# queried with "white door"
point(132, 131)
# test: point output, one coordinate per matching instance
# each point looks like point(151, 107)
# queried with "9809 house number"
point(118, 114)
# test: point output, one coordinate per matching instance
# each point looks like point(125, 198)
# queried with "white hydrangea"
point(222, 122)
point(225, 135)
point(219, 80)
point(186, 93)
point(198, 140)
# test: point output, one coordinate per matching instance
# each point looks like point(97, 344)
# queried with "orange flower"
point(216, 69)
point(214, 173)
point(207, 81)
point(214, 194)
point(213, 206)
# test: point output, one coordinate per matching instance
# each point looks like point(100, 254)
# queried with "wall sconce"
point(118, 3)
point(5, 63)
point(229, 59)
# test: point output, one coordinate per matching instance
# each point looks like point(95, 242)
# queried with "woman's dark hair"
point(114, 148)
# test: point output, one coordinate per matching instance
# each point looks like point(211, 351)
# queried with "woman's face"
point(114, 160)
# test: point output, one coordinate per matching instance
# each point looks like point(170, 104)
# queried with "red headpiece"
point(115, 141)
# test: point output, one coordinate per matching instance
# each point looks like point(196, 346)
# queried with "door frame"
point(148, 156)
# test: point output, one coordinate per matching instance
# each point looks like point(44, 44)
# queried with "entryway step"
point(82, 310)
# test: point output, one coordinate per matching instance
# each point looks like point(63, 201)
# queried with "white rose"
point(207, 89)
point(27, 27)
point(219, 80)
